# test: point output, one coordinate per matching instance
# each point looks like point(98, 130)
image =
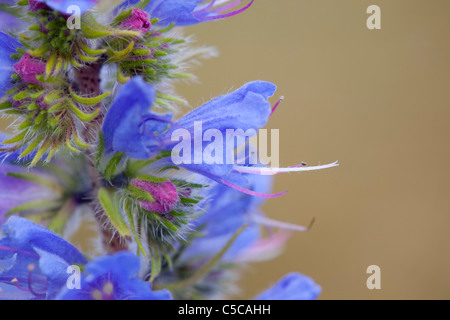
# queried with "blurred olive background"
point(377, 101)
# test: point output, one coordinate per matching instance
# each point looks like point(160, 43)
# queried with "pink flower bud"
point(138, 20)
point(165, 195)
point(28, 68)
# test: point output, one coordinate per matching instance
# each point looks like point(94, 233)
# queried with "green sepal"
point(121, 55)
point(121, 16)
point(156, 261)
point(35, 179)
point(34, 205)
point(133, 230)
point(85, 117)
point(6, 105)
point(20, 96)
point(19, 137)
point(110, 206)
point(169, 225)
point(142, 4)
point(112, 165)
point(138, 194)
point(89, 101)
point(152, 179)
point(59, 221)
point(88, 50)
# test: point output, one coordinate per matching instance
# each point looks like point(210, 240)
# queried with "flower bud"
point(28, 68)
point(138, 20)
point(164, 194)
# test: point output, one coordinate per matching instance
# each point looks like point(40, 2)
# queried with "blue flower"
point(293, 286)
point(34, 261)
point(189, 12)
point(114, 277)
point(8, 46)
point(122, 128)
point(131, 127)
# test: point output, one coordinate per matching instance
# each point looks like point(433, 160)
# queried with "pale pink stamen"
point(251, 192)
point(260, 219)
point(227, 7)
point(205, 9)
point(227, 15)
point(266, 248)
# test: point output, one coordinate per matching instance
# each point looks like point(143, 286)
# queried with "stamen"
point(276, 105)
point(226, 15)
point(206, 8)
point(97, 295)
point(31, 268)
point(228, 6)
point(279, 224)
point(15, 282)
point(108, 288)
point(250, 192)
point(30, 254)
point(265, 249)
point(273, 171)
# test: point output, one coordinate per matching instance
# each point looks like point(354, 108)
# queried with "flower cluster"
point(94, 113)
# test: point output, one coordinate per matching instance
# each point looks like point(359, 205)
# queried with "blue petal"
point(8, 263)
point(169, 11)
point(8, 46)
point(24, 233)
point(11, 292)
point(293, 286)
point(122, 128)
point(62, 5)
point(123, 265)
point(245, 108)
point(55, 268)
point(174, 11)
